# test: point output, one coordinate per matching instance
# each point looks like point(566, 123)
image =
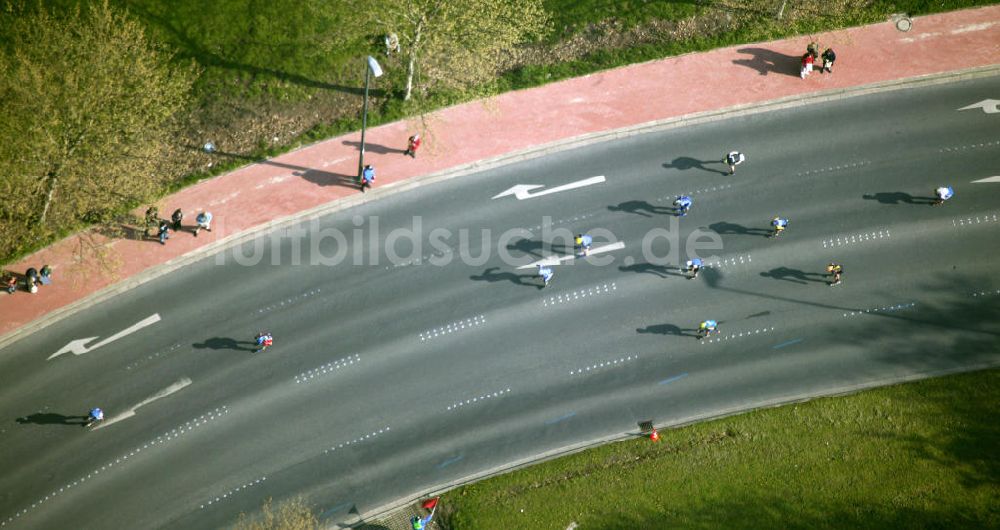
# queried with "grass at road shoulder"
point(916, 455)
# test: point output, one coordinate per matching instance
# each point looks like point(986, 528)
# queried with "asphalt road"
point(390, 377)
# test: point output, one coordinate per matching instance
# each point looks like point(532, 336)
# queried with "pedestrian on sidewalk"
point(828, 58)
point(204, 220)
point(177, 217)
point(9, 282)
point(164, 232)
point(733, 159)
point(807, 65)
point(367, 177)
point(152, 219)
point(813, 49)
point(45, 275)
point(31, 280)
point(412, 144)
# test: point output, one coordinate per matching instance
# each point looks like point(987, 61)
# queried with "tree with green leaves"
point(86, 108)
point(456, 44)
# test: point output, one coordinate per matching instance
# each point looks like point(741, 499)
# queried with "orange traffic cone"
point(654, 436)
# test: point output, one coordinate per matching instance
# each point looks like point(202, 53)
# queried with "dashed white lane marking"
point(986, 293)
point(453, 327)
point(885, 309)
point(175, 387)
point(862, 237)
point(829, 169)
point(966, 147)
point(976, 220)
point(728, 262)
point(733, 336)
point(669, 199)
point(605, 364)
point(426, 258)
point(566, 221)
point(152, 357)
point(327, 368)
point(556, 260)
point(289, 301)
point(173, 434)
point(478, 399)
point(356, 441)
point(233, 492)
point(573, 296)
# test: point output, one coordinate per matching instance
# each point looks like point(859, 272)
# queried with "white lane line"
point(357, 440)
point(477, 399)
point(885, 309)
point(979, 219)
point(556, 260)
point(233, 492)
point(840, 241)
point(183, 382)
point(454, 326)
point(327, 368)
point(289, 301)
point(523, 191)
point(161, 439)
point(605, 364)
point(573, 296)
point(733, 336)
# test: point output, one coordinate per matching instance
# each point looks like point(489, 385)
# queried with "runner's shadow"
point(530, 247)
point(723, 227)
point(51, 418)
point(668, 329)
point(766, 61)
point(225, 343)
point(898, 197)
point(638, 207)
point(374, 148)
point(662, 271)
point(684, 163)
point(490, 275)
point(792, 275)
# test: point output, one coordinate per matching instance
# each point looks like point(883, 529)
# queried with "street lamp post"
point(371, 68)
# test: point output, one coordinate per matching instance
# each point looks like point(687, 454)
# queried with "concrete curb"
point(389, 509)
point(483, 165)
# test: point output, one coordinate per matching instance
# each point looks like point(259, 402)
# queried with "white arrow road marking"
point(987, 179)
point(556, 260)
point(989, 106)
point(523, 191)
point(79, 346)
point(183, 382)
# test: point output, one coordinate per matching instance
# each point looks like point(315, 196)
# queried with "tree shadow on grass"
point(766, 61)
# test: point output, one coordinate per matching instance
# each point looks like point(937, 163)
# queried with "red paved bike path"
point(317, 175)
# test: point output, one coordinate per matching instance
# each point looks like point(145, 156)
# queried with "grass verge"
point(916, 455)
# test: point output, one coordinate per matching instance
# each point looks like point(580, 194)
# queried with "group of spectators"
point(160, 228)
point(33, 278)
point(812, 55)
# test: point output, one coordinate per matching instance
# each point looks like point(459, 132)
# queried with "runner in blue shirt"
point(683, 204)
point(693, 267)
point(546, 274)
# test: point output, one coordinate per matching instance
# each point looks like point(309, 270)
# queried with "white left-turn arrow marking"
point(523, 191)
point(989, 106)
point(79, 346)
point(987, 179)
point(556, 260)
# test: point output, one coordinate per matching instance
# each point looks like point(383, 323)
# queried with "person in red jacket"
point(412, 145)
point(807, 65)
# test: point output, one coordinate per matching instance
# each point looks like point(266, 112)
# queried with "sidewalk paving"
point(313, 177)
